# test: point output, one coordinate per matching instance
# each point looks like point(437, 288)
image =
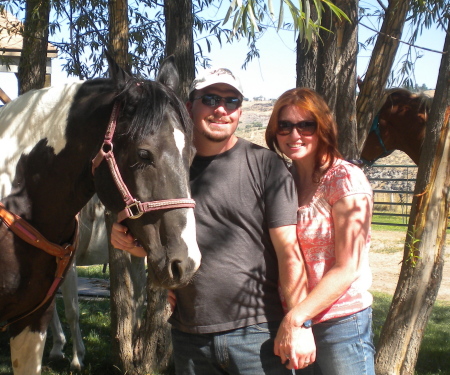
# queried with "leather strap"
point(63, 254)
point(28, 233)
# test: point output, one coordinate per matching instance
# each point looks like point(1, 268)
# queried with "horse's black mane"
point(146, 102)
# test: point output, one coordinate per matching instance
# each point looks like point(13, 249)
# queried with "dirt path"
point(385, 257)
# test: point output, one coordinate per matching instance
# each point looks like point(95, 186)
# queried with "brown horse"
point(399, 125)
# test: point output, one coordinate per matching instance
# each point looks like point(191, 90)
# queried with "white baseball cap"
point(212, 76)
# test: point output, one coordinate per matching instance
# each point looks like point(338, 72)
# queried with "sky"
point(274, 72)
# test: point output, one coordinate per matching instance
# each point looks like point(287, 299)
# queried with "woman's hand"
point(295, 343)
point(123, 240)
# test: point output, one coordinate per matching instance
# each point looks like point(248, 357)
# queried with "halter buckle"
point(134, 210)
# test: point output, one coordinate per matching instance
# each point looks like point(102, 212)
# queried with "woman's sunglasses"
point(303, 127)
point(214, 101)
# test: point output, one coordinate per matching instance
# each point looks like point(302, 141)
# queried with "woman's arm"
point(296, 345)
point(351, 217)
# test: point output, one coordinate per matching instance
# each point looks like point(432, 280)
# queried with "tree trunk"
point(33, 59)
point(141, 338)
point(380, 65)
point(180, 41)
point(423, 260)
point(127, 286)
point(155, 341)
point(307, 63)
point(127, 273)
point(307, 56)
point(329, 67)
point(345, 70)
point(118, 32)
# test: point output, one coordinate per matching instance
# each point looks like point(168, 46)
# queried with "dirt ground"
point(385, 260)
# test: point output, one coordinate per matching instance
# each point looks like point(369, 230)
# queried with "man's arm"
point(296, 343)
point(292, 274)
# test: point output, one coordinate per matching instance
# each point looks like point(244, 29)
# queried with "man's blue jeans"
point(344, 346)
point(243, 351)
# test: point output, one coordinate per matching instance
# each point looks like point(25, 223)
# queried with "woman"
point(333, 229)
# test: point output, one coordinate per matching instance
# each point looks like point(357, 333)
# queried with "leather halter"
point(29, 234)
point(376, 129)
point(133, 208)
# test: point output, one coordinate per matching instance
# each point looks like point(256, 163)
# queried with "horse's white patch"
point(29, 118)
point(189, 233)
point(190, 238)
point(26, 352)
point(180, 142)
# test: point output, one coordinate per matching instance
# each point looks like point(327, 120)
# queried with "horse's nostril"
point(176, 270)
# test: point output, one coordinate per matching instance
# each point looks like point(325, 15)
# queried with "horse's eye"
point(145, 156)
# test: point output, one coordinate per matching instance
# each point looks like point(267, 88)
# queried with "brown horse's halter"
point(375, 128)
point(133, 208)
point(29, 234)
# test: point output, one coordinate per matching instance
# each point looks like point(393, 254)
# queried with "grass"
point(95, 323)
point(93, 272)
point(391, 222)
point(434, 358)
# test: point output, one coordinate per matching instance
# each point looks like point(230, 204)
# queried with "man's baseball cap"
point(212, 76)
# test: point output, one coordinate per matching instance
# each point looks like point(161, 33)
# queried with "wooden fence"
point(393, 188)
point(388, 201)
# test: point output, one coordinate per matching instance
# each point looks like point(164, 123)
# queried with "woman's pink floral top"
point(315, 233)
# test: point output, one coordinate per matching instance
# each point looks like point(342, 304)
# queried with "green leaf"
point(281, 16)
point(252, 17)
point(229, 12)
point(271, 11)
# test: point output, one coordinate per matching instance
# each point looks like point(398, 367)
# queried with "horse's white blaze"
point(31, 117)
point(26, 352)
point(188, 234)
point(190, 238)
point(179, 140)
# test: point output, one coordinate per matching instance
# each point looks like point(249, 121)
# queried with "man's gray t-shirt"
point(239, 195)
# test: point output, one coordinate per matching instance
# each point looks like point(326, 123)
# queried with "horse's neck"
point(406, 136)
point(56, 192)
point(31, 117)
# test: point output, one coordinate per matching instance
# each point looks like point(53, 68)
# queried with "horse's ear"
point(168, 73)
point(115, 71)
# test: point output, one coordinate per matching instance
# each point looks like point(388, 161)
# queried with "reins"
point(32, 236)
point(133, 207)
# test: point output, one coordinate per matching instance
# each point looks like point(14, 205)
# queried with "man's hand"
point(123, 240)
point(172, 299)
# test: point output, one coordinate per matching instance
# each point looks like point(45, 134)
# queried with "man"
point(225, 321)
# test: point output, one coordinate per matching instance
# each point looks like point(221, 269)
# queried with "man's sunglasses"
point(214, 101)
point(303, 127)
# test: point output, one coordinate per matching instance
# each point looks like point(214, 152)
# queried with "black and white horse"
point(145, 180)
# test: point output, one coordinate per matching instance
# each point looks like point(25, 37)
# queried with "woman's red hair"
point(310, 101)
